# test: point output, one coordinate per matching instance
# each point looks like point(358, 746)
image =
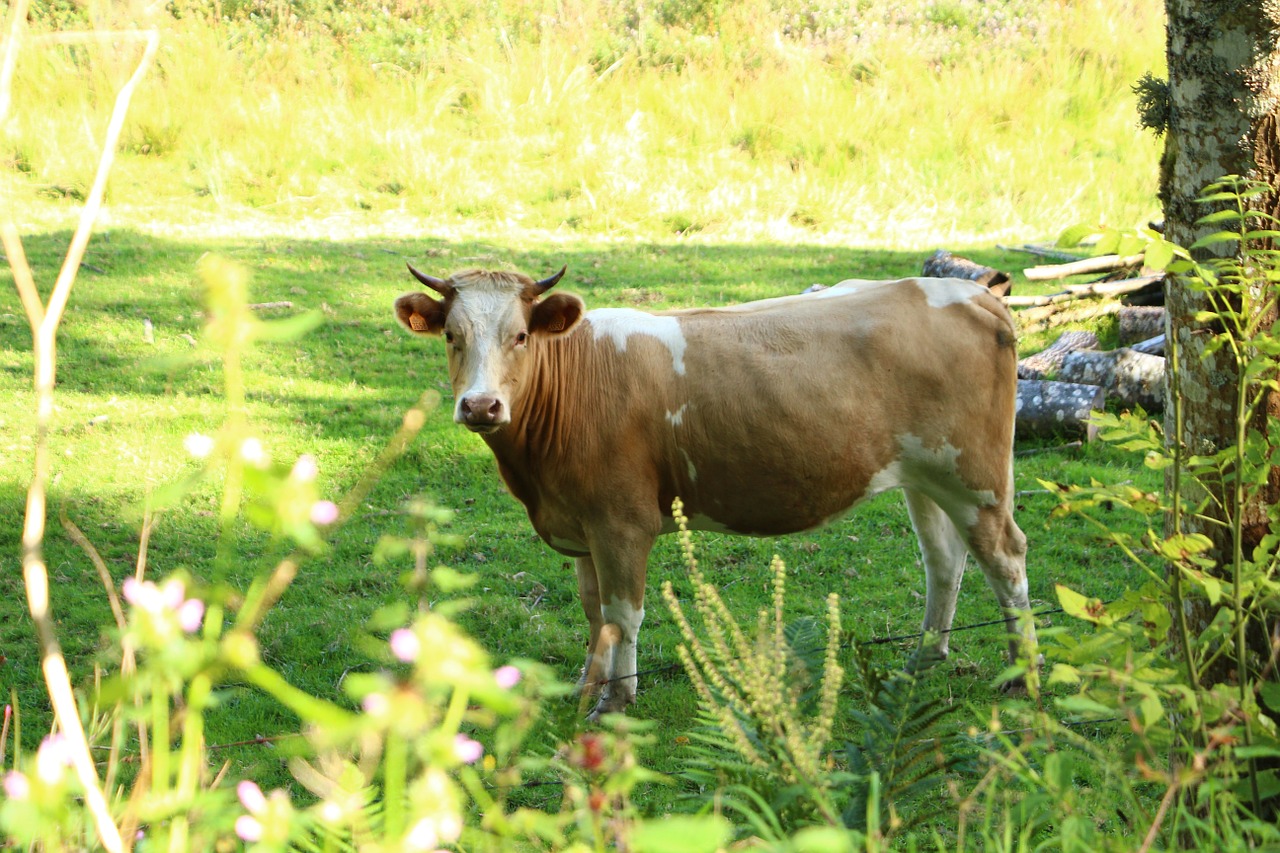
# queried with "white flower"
point(53, 757)
point(252, 451)
point(305, 469)
point(198, 444)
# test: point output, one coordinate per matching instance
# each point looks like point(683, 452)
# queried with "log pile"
point(1060, 387)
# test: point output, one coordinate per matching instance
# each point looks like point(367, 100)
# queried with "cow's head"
point(489, 320)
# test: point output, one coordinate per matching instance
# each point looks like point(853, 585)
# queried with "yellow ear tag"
point(417, 322)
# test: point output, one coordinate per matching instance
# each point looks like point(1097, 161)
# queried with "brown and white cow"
point(765, 418)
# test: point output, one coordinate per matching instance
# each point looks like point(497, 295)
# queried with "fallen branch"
point(1102, 263)
point(1032, 451)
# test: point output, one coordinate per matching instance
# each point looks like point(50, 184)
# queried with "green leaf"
point(1219, 216)
point(1079, 606)
point(822, 839)
point(1270, 693)
point(1215, 238)
point(1064, 674)
point(1085, 706)
point(1073, 234)
point(1159, 253)
point(681, 834)
point(289, 329)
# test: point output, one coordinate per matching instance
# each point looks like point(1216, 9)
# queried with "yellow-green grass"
point(340, 392)
point(928, 123)
point(676, 167)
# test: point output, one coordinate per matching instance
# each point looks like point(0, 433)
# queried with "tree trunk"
point(1134, 378)
point(1220, 118)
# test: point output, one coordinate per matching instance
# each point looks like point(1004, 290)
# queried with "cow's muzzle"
point(481, 412)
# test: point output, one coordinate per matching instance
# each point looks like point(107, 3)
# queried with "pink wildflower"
point(16, 786)
point(506, 676)
point(466, 750)
point(191, 614)
point(324, 512)
point(251, 797)
point(248, 828)
point(405, 645)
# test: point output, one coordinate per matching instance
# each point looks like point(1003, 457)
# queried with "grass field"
point(755, 166)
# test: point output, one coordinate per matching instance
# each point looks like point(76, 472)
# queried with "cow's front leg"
point(620, 570)
point(598, 658)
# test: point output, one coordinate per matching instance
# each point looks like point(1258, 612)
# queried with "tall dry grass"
point(872, 122)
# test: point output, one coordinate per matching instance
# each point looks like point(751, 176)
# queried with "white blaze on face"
point(482, 317)
point(619, 324)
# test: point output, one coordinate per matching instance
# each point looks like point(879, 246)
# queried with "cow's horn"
point(439, 285)
point(549, 282)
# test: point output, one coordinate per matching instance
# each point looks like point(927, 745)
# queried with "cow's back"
point(785, 410)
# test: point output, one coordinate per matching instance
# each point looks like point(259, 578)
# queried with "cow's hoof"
point(1015, 688)
point(925, 658)
point(615, 704)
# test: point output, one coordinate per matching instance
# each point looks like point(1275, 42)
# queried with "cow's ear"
point(556, 314)
point(420, 314)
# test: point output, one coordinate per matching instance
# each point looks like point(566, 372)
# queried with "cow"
point(765, 418)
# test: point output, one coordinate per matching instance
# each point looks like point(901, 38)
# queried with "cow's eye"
point(521, 337)
point(448, 337)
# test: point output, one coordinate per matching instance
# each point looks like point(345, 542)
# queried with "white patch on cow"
point(618, 324)
point(628, 618)
point(691, 471)
point(941, 292)
point(934, 472)
point(677, 417)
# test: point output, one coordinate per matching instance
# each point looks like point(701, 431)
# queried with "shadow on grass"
point(340, 392)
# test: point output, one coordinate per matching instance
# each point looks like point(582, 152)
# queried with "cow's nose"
point(481, 410)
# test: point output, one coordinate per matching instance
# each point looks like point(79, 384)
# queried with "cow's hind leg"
point(944, 552)
point(1000, 548)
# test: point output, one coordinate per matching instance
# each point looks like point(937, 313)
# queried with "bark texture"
point(1223, 102)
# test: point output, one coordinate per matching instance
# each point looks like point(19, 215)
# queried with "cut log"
point(1073, 292)
point(1049, 360)
point(943, 264)
point(1140, 323)
point(1057, 408)
point(1041, 251)
point(1102, 263)
point(1135, 378)
point(1048, 316)
point(1151, 346)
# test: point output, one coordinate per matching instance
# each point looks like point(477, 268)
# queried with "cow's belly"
point(778, 507)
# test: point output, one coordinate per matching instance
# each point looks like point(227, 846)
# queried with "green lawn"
point(125, 406)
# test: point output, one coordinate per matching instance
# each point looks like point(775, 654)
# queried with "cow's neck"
point(539, 429)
